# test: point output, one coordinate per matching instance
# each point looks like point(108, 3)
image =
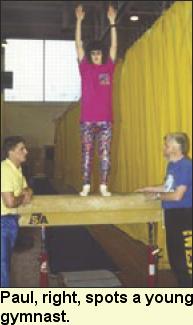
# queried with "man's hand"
point(152, 196)
point(111, 14)
point(27, 195)
point(79, 12)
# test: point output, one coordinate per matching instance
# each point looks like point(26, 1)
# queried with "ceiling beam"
point(121, 8)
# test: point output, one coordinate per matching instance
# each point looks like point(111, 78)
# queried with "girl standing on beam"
point(96, 70)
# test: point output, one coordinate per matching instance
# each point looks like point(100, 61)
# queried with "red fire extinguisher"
point(43, 280)
point(152, 256)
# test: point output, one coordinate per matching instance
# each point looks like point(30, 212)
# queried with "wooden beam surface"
point(91, 210)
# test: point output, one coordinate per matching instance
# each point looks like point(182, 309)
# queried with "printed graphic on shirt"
point(169, 183)
point(104, 79)
point(188, 249)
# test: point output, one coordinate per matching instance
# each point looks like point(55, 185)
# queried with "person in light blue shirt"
point(176, 196)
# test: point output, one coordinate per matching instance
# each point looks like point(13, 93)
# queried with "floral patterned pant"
point(102, 133)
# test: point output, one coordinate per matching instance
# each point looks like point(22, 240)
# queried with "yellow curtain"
point(67, 171)
point(152, 95)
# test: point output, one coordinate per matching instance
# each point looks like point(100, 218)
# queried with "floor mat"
point(74, 249)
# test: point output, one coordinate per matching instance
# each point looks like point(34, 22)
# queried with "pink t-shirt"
point(96, 101)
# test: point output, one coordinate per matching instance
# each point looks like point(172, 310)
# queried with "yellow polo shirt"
point(12, 180)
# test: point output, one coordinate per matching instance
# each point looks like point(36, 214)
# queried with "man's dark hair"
point(10, 143)
point(94, 46)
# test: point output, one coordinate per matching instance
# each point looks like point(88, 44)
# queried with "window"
point(42, 71)
point(25, 59)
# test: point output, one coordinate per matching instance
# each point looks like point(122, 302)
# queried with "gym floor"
point(129, 258)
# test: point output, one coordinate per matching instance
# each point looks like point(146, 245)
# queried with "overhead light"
point(134, 18)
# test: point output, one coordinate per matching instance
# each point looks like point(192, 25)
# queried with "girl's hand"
point(79, 12)
point(112, 14)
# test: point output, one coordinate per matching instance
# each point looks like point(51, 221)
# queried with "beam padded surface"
point(92, 210)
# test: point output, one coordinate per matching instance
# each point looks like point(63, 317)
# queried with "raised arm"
point(80, 14)
point(112, 14)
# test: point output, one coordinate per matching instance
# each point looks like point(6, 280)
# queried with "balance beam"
point(72, 210)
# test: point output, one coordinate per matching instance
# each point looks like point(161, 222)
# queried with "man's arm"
point(80, 14)
point(112, 14)
point(182, 181)
point(27, 195)
point(12, 201)
point(151, 189)
point(177, 195)
point(157, 192)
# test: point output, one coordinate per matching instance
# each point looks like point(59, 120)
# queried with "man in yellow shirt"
point(14, 192)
